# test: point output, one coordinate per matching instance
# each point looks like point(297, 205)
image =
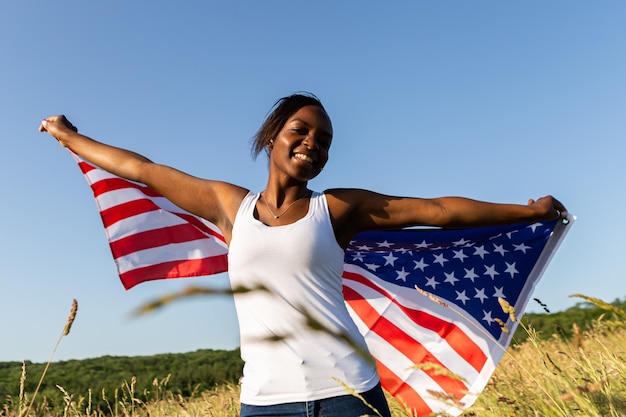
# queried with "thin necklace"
point(277, 216)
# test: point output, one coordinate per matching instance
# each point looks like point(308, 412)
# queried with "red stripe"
point(85, 167)
point(199, 224)
point(123, 211)
point(156, 238)
point(113, 184)
point(403, 342)
point(462, 344)
point(404, 392)
point(175, 269)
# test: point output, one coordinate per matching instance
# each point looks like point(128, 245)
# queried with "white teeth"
point(304, 158)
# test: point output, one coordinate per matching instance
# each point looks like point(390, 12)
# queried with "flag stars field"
point(468, 271)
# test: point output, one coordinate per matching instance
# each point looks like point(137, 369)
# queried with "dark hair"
point(281, 111)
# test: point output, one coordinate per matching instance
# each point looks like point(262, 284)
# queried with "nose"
point(310, 142)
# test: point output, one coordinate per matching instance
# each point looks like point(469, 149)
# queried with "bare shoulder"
point(357, 199)
point(347, 195)
point(228, 196)
point(352, 210)
point(342, 201)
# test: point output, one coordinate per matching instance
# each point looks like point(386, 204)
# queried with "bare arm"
point(354, 211)
point(215, 201)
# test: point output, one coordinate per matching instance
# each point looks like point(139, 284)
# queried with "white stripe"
point(144, 222)
point(97, 174)
point(117, 197)
point(197, 249)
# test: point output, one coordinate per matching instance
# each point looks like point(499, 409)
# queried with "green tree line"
point(561, 323)
point(188, 373)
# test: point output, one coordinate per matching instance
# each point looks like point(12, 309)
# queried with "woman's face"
point(300, 150)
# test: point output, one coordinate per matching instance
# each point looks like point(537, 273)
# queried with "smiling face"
point(300, 150)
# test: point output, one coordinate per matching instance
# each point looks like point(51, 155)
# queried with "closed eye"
point(325, 144)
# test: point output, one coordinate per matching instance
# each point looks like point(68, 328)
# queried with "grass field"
point(581, 376)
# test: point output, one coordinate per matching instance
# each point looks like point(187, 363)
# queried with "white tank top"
point(301, 266)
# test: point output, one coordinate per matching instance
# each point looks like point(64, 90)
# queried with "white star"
point(480, 294)
point(363, 248)
point(458, 254)
point(461, 242)
point(422, 245)
point(500, 249)
point(534, 226)
point(480, 251)
point(521, 247)
point(357, 256)
point(431, 282)
point(384, 244)
point(461, 296)
point(420, 264)
point(450, 278)
point(510, 268)
point(510, 234)
point(403, 250)
point(402, 275)
point(499, 293)
point(390, 259)
point(469, 273)
point(373, 267)
point(440, 259)
point(487, 317)
point(491, 271)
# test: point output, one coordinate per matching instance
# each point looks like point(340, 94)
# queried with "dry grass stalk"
point(439, 370)
point(191, 291)
point(431, 297)
point(508, 309)
point(502, 325)
point(352, 392)
point(66, 331)
point(577, 338)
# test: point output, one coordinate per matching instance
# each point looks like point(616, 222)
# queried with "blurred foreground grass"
point(580, 376)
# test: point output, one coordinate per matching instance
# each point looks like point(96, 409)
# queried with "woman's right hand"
point(58, 127)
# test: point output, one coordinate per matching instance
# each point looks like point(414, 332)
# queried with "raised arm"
point(354, 211)
point(215, 201)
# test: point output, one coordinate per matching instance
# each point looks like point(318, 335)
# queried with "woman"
point(291, 240)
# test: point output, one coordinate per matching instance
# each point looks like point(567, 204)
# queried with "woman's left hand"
point(548, 207)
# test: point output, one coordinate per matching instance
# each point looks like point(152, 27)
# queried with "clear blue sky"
point(499, 101)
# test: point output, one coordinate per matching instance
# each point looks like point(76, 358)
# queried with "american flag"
point(428, 301)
